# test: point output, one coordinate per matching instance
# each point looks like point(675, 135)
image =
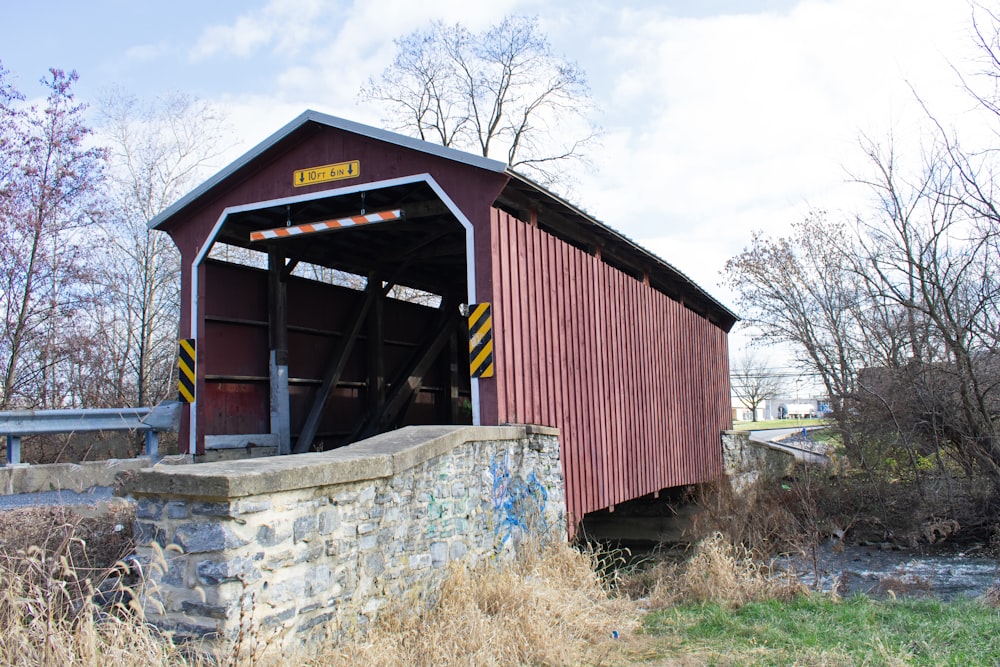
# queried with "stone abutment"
point(299, 547)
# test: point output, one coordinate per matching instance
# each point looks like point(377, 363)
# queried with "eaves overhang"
point(578, 227)
point(322, 119)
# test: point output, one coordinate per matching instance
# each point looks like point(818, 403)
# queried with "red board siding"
point(637, 383)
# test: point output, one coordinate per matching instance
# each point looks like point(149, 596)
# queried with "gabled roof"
point(330, 121)
point(556, 215)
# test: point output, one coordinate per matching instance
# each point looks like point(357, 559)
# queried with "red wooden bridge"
point(295, 256)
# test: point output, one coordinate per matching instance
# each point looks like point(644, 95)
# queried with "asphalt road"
point(92, 496)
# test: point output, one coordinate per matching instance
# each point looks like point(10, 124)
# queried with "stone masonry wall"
point(306, 545)
point(747, 462)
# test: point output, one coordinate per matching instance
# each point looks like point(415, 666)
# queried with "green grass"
point(817, 630)
point(778, 423)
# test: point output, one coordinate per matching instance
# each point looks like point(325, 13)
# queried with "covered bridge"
point(328, 278)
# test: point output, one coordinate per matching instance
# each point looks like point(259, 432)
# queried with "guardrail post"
point(152, 443)
point(13, 449)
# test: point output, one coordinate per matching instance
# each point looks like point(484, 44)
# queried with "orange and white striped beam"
point(326, 226)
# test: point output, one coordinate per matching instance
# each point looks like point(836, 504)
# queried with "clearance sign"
point(326, 173)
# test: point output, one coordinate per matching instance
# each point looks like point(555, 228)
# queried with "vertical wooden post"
point(278, 362)
point(457, 360)
point(410, 380)
point(376, 349)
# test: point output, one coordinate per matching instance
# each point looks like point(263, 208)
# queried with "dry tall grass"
point(95, 541)
point(718, 571)
point(48, 614)
point(764, 518)
point(548, 608)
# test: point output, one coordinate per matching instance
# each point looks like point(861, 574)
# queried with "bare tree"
point(48, 193)
point(804, 290)
point(931, 253)
point(502, 93)
point(798, 290)
point(157, 152)
point(896, 312)
point(753, 382)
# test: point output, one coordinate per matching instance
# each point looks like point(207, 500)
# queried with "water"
point(884, 573)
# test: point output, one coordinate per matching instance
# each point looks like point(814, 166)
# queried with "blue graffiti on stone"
point(518, 504)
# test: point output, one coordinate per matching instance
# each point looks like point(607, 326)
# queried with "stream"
point(879, 572)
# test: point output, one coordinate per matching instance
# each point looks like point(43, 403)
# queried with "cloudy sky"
point(720, 116)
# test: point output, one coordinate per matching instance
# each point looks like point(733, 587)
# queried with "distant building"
point(798, 410)
point(766, 410)
point(782, 408)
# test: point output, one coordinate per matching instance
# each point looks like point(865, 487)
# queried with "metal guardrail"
point(155, 420)
point(803, 451)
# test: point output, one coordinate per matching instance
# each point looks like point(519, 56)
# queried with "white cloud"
point(323, 51)
point(716, 125)
point(281, 26)
point(726, 124)
point(361, 45)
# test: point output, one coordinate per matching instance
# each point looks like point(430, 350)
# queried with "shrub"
point(547, 608)
point(719, 572)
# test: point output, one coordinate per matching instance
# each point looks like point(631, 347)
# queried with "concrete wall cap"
point(380, 456)
point(537, 429)
point(77, 477)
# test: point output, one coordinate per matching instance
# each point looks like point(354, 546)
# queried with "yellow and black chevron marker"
point(186, 366)
point(480, 340)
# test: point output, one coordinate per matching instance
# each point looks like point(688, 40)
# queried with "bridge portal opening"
point(334, 316)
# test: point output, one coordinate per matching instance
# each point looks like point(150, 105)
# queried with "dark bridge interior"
point(425, 250)
point(361, 356)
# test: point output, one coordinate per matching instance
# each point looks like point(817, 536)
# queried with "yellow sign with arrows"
point(326, 173)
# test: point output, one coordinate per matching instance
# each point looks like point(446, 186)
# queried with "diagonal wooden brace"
point(410, 381)
point(338, 362)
